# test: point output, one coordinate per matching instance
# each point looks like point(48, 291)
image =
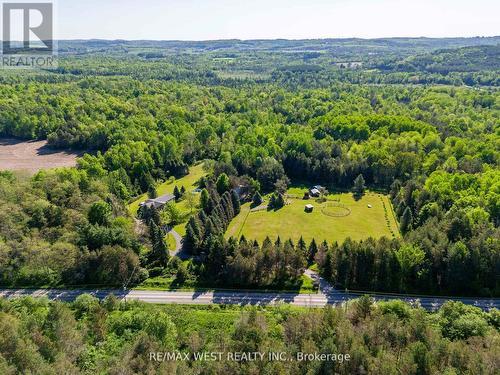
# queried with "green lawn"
point(188, 181)
point(291, 221)
point(179, 228)
point(170, 241)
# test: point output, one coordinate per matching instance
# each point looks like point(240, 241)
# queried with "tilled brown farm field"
point(31, 156)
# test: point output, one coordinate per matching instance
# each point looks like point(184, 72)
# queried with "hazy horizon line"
point(286, 39)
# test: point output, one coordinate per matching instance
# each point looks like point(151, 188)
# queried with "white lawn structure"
point(308, 207)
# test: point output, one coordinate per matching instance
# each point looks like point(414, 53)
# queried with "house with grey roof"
point(316, 190)
point(158, 202)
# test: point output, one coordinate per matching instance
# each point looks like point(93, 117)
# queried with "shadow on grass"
point(170, 283)
point(357, 196)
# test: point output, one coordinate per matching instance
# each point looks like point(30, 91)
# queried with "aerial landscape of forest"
point(303, 168)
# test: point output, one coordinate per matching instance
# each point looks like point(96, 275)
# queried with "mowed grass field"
point(292, 221)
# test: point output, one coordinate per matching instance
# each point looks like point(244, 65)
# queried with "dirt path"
point(178, 242)
point(32, 156)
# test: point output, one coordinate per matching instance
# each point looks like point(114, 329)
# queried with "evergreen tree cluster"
point(159, 254)
point(212, 220)
point(257, 199)
point(246, 264)
point(276, 201)
point(412, 266)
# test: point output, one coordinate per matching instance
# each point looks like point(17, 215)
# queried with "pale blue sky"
point(267, 19)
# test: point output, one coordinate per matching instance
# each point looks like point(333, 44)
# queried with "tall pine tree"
point(406, 220)
point(159, 253)
point(312, 251)
point(235, 200)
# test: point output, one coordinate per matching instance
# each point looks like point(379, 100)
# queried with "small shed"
point(369, 206)
point(308, 208)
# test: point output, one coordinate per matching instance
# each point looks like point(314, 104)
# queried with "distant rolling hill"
point(444, 61)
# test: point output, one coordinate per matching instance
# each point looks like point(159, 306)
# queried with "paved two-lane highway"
point(333, 297)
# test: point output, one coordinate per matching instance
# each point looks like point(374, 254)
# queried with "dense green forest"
point(307, 63)
point(92, 337)
point(264, 117)
point(290, 63)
